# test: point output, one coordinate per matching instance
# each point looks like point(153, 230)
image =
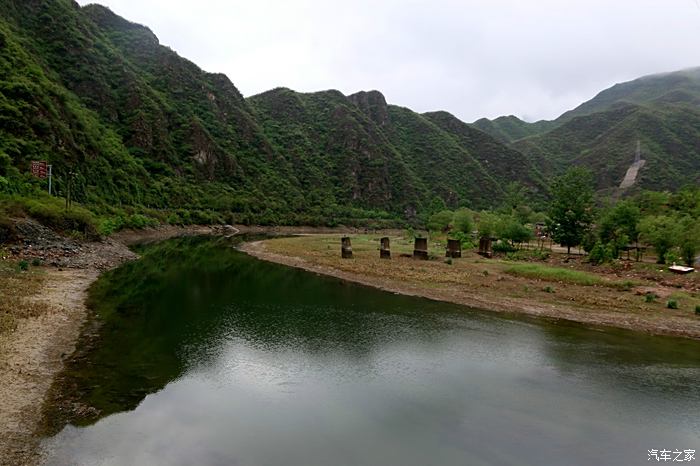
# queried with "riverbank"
point(629, 299)
point(42, 317)
point(43, 310)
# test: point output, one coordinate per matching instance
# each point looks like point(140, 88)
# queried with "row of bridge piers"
point(420, 248)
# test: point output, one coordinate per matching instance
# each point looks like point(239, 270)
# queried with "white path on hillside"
point(631, 175)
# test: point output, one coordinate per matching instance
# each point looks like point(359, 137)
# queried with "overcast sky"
point(534, 59)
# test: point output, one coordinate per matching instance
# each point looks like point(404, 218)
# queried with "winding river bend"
point(202, 355)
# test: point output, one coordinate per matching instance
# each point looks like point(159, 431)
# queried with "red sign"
point(39, 168)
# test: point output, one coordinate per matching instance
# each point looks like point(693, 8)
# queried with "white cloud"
point(472, 58)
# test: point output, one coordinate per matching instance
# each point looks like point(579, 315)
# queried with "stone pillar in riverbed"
point(384, 250)
point(454, 248)
point(346, 248)
point(420, 249)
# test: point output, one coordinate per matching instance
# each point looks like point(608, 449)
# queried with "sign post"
point(39, 168)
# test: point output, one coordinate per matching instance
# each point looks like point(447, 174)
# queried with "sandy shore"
point(497, 295)
point(32, 354)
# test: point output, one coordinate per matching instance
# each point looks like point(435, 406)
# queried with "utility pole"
point(69, 200)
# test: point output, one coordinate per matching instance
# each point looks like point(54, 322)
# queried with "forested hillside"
point(662, 111)
point(149, 136)
point(147, 131)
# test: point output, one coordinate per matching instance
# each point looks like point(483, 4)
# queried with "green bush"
point(600, 254)
point(672, 304)
point(650, 297)
point(36, 262)
point(697, 309)
point(23, 265)
point(503, 247)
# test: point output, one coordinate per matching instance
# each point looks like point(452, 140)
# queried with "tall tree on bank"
point(571, 209)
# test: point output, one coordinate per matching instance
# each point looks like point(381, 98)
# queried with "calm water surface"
point(206, 356)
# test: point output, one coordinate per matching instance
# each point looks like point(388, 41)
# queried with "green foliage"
point(600, 253)
point(619, 225)
point(465, 239)
point(23, 265)
point(689, 239)
point(571, 209)
point(463, 221)
point(697, 309)
point(650, 297)
point(36, 262)
point(672, 304)
point(510, 229)
point(527, 254)
point(440, 221)
point(661, 231)
point(503, 247)
point(488, 224)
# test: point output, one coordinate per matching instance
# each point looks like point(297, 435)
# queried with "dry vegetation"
point(559, 287)
point(17, 288)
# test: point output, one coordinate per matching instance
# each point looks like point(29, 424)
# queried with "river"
point(200, 354)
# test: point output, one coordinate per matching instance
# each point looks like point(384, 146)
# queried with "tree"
point(661, 231)
point(463, 221)
point(512, 230)
point(488, 224)
point(618, 226)
point(571, 209)
point(440, 221)
point(689, 239)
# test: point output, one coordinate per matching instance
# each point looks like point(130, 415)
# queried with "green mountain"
point(661, 111)
point(678, 88)
point(508, 129)
point(145, 130)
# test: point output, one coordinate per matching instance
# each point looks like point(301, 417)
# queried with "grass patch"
point(558, 274)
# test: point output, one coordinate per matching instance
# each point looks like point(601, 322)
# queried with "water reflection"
point(266, 365)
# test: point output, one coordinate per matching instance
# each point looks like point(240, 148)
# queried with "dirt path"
point(499, 293)
point(631, 175)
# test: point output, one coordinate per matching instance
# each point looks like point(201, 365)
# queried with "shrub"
point(503, 247)
point(650, 297)
point(672, 304)
point(697, 309)
point(600, 253)
point(36, 262)
point(548, 289)
point(23, 265)
point(448, 261)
